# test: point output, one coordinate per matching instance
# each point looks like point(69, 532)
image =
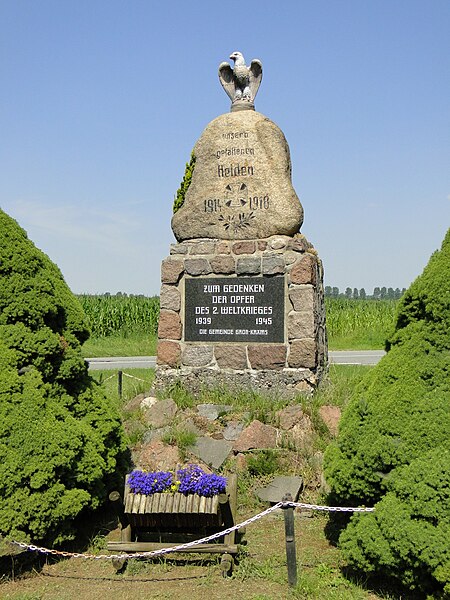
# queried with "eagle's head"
point(238, 58)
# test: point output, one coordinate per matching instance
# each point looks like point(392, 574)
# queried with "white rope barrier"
point(133, 377)
point(126, 375)
point(181, 547)
point(110, 377)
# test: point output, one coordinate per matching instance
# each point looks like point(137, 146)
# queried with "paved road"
point(356, 357)
point(122, 362)
point(342, 357)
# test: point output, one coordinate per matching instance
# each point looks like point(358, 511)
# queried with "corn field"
point(348, 318)
point(120, 315)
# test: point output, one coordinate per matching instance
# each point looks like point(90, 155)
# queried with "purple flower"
point(149, 483)
point(191, 480)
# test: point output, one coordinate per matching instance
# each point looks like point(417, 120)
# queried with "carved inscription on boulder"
point(241, 186)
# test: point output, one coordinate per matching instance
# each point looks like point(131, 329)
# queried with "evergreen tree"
point(60, 439)
point(376, 293)
point(362, 294)
point(327, 291)
point(393, 448)
point(355, 294)
point(348, 293)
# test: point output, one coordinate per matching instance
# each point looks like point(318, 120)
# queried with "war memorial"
point(242, 289)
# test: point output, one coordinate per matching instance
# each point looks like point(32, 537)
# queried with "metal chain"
point(181, 547)
point(328, 508)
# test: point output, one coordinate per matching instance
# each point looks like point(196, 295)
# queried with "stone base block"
point(193, 350)
point(287, 383)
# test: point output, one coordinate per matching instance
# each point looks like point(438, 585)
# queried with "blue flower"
point(191, 480)
point(149, 483)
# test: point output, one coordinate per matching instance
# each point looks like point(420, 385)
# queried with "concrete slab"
point(212, 452)
point(279, 487)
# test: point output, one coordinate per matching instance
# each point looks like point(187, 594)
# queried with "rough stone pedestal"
point(240, 359)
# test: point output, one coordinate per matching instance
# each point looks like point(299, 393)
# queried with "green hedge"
point(60, 439)
point(395, 436)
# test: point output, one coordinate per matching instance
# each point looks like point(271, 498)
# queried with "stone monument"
point(242, 290)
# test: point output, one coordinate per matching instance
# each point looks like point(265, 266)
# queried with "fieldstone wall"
point(297, 365)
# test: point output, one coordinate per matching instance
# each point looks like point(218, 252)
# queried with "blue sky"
point(103, 100)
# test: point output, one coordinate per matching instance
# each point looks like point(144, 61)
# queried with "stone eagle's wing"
point(255, 76)
point(226, 78)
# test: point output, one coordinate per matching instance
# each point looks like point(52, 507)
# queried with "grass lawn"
point(260, 575)
point(134, 382)
point(137, 344)
point(368, 340)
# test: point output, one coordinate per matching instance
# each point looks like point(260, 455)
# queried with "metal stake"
point(119, 383)
point(291, 557)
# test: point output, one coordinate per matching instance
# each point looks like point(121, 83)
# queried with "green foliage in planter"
point(184, 186)
point(397, 415)
point(60, 439)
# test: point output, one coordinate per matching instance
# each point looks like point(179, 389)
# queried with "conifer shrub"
point(407, 538)
point(60, 439)
point(394, 440)
point(184, 185)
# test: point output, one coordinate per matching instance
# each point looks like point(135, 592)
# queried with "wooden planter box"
point(169, 519)
point(172, 511)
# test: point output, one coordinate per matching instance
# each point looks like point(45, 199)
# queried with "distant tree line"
point(379, 293)
point(118, 295)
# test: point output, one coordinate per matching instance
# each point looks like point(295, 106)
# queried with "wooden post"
point(120, 564)
point(291, 557)
point(125, 527)
point(119, 383)
point(227, 504)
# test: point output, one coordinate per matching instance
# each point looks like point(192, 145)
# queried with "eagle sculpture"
point(241, 83)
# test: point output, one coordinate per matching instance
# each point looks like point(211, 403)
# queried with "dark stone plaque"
point(234, 309)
